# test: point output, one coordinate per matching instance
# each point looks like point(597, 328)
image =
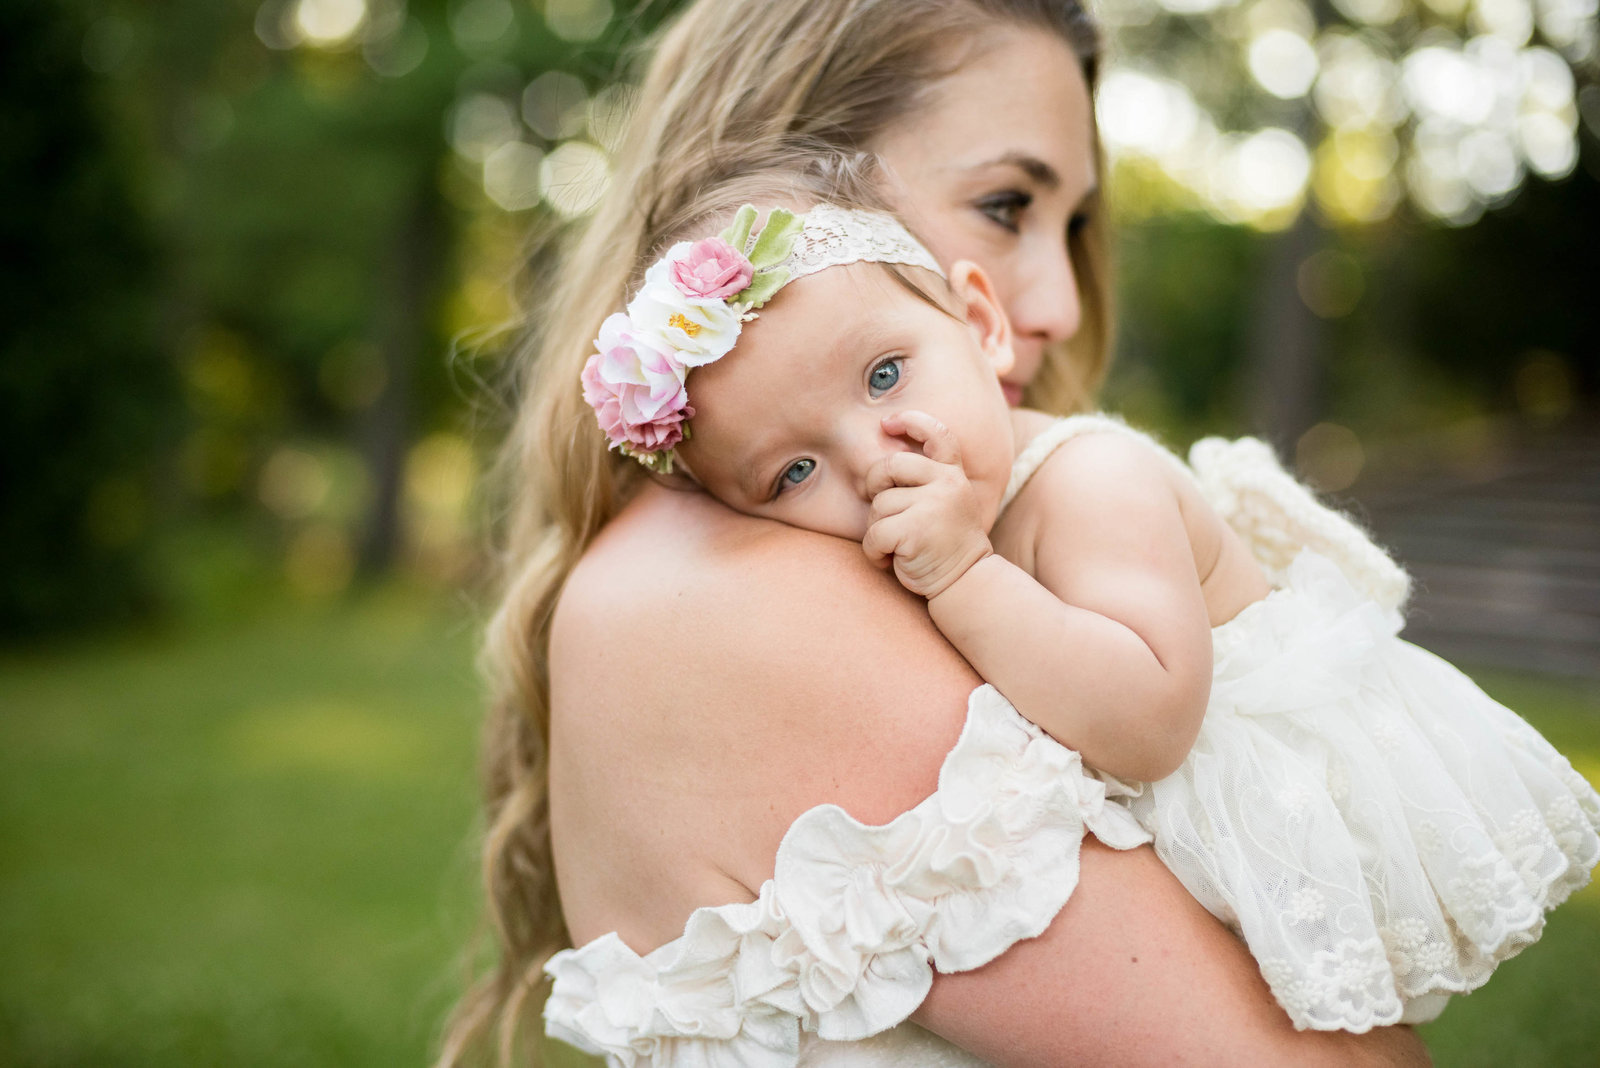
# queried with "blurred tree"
point(86, 399)
point(244, 237)
point(1355, 119)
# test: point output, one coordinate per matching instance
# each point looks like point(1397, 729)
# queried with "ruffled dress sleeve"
point(844, 940)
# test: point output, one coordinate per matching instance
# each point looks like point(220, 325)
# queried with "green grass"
point(250, 845)
point(247, 846)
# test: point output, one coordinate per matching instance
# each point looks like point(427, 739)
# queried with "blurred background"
point(260, 258)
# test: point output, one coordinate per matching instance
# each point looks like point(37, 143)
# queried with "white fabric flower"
point(700, 330)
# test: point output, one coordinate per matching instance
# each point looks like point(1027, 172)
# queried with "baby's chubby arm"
point(1108, 645)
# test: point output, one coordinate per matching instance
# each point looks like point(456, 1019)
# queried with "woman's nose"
point(1046, 304)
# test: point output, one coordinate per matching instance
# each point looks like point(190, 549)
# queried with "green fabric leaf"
point(776, 238)
point(738, 234)
point(762, 287)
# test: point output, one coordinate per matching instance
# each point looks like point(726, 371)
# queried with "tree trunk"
point(1286, 341)
point(402, 330)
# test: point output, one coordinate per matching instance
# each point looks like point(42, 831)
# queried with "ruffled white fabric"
point(1380, 832)
point(1277, 517)
point(843, 942)
point(1378, 829)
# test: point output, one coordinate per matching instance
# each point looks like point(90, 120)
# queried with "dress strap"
point(1273, 514)
point(1058, 433)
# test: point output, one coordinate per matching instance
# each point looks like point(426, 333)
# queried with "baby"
point(1379, 831)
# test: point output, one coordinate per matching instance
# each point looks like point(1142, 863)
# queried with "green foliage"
point(87, 398)
point(738, 232)
point(1180, 369)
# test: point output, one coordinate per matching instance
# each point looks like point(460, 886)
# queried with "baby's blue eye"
point(799, 471)
point(883, 377)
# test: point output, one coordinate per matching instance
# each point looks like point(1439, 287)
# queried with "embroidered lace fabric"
point(834, 236)
point(839, 949)
point(1379, 830)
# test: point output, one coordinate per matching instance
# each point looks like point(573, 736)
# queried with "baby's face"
point(788, 424)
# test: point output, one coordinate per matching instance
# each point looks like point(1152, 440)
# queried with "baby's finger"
point(900, 469)
point(937, 440)
point(893, 501)
point(880, 541)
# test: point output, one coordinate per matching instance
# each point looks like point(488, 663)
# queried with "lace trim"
point(1501, 828)
point(844, 940)
point(834, 236)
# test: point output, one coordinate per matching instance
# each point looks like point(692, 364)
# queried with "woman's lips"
point(1013, 393)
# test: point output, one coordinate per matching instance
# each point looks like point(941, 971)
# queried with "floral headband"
point(697, 298)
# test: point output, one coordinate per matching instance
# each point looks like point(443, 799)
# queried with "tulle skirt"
point(1378, 830)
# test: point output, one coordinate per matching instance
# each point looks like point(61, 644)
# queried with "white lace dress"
point(827, 964)
point(1378, 830)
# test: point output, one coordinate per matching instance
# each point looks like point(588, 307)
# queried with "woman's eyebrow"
point(1034, 167)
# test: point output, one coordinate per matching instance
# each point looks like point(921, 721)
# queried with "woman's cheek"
point(1028, 359)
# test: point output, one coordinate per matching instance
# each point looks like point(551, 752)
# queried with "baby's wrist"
point(955, 575)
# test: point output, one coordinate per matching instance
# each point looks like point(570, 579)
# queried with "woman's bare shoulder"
point(713, 676)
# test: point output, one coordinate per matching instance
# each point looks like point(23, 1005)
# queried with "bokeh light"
point(1329, 457)
point(479, 25)
point(481, 123)
point(1330, 283)
point(574, 176)
point(554, 105)
point(577, 20)
point(398, 48)
point(1544, 385)
point(1283, 63)
point(329, 23)
point(511, 176)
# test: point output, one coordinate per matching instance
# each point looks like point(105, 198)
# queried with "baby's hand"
point(926, 517)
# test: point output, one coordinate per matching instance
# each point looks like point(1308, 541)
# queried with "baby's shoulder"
point(1098, 466)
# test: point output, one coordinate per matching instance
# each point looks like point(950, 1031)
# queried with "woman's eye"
point(883, 377)
point(796, 473)
point(1005, 209)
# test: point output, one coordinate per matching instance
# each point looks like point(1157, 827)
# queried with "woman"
point(656, 730)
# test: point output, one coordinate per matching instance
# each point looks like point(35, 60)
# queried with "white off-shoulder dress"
point(1377, 830)
point(827, 964)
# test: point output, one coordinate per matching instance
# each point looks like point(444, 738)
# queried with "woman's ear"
point(985, 317)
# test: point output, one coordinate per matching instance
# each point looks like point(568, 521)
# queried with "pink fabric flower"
point(636, 387)
point(711, 269)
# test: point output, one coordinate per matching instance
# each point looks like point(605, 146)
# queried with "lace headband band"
point(697, 298)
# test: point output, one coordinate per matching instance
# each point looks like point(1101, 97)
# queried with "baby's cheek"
point(855, 516)
point(826, 510)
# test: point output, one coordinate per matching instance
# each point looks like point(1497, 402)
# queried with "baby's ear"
point(985, 316)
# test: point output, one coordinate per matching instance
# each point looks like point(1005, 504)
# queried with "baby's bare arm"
point(1107, 645)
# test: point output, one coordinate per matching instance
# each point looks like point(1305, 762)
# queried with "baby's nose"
point(868, 450)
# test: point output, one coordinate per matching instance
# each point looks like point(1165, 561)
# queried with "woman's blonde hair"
point(733, 86)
